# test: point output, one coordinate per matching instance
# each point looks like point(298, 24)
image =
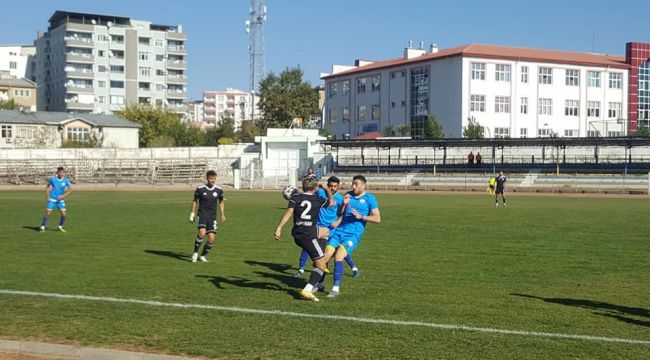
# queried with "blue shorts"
point(60, 204)
point(346, 240)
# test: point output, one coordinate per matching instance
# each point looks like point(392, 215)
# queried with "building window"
point(571, 133)
point(101, 68)
point(117, 100)
point(332, 116)
point(544, 132)
point(477, 103)
point(361, 85)
point(502, 104)
point(524, 74)
point(392, 104)
point(333, 89)
point(361, 113)
point(501, 132)
point(159, 43)
point(26, 132)
point(346, 87)
point(593, 133)
point(523, 133)
point(502, 72)
point(593, 79)
point(22, 93)
point(13, 65)
point(117, 84)
point(118, 39)
point(346, 114)
point(375, 112)
point(572, 78)
point(419, 100)
point(118, 69)
point(101, 99)
point(615, 80)
point(614, 111)
point(643, 114)
point(6, 131)
point(376, 81)
point(145, 41)
point(546, 75)
point(523, 107)
point(102, 38)
point(545, 107)
point(101, 83)
point(78, 134)
point(160, 72)
point(143, 55)
point(571, 107)
point(145, 71)
point(478, 71)
point(593, 108)
point(614, 134)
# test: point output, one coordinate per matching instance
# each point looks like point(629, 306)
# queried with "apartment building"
point(511, 92)
point(93, 63)
point(231, 103)
point(18, 61)
point(22, 91)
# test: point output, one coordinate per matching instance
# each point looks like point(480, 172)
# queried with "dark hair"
point(60, 168)
point(333, 180)
point(359, 177)
point(309, 183)
point(210, 173)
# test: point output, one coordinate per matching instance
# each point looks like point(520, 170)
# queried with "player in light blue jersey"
point(58, 187)
point(360, 208)
point(327, 218)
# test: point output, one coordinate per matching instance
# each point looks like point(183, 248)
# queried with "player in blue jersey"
point(327, 218)
point(360, 208)
point(58, 187)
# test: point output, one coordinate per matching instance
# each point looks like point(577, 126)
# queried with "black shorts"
point(207, 222)
point(499, 191)
point(314, 247)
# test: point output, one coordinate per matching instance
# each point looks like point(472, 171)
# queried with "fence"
point(254, 176)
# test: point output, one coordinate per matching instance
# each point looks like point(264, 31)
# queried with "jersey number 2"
point(305, 214)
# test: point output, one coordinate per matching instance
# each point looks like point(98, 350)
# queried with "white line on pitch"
point(333, 317)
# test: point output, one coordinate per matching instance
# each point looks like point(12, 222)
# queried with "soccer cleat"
point(497, 205)
point(505, 205)
point(42, 229)
point(299, 273)
point(307, 295)
point(61, 229)
point(327, 271)
point(356, 273)
point(203, 259)
point(195, 257)
point(333, 294)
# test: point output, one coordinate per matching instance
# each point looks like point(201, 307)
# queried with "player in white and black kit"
point(501, 188)
point(305, 209)
point(208, 197)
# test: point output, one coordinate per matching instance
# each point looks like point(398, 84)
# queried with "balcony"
point(178, 108)
point(80, 90)
point(209, 100)
point(79, 74)
point(72, 26)
point(177, 50)
point(79, 43)
point(177, 79)
point(79, 106)
point(176, 64)
point(173, 35)
point(85, 58)
point(176, 94)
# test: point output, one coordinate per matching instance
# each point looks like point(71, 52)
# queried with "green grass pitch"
point(544, 264)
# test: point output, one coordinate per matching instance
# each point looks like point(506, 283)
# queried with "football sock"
point(303, 259)
point(62, 221)
point(316, 275)
point(197, 244)
point(338, 272)
point(321, 283)
point(44, 221)
point(350, 262)
point(206, 249)
point(335, 288)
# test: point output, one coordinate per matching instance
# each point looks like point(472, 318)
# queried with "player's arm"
point(285, 217)
point(222, 211)
point(66, 193)
point(193, 211)
point(48, 188)
point(330, 196)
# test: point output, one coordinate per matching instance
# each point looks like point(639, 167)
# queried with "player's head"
point(60, 171)
point(358, 184)
point(211, 177)
point(500, 173)
point(310, 171)
point(333, 184)
point(309, 184)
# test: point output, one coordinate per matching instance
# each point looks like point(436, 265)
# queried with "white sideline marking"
point(333, 317)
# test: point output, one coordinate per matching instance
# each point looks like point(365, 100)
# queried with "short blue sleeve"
point(321, 193)
point(50, 182)
point(372, 203)
point(67, 183)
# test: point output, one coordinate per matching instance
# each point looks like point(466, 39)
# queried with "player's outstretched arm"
point(285, 217)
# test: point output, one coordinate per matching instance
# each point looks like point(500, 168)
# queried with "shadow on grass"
point(280, 268)
point(219, 281)
point(171, 254)
point(600, 308)
point(35, 228)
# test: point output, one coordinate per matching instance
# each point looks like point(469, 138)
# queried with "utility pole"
point(255, 29)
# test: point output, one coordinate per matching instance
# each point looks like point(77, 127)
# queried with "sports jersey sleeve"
point(197, 194)
point(324, 202)
point(220, 197)
point(50, 182)
point(372, 204)
point(67, 183)
point(292, 202)
point(321, 193)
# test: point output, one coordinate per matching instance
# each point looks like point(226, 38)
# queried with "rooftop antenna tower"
point(255, 29)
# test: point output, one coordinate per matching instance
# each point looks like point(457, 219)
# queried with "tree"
point(184, 135)
point(473, 130)
point(433, 129)
point(248, 132)
point(325, 132)
point(643, 131)
point(404, 129)
point(157, 123)
point(284, 97)
point(389, 130)
point(9, 105)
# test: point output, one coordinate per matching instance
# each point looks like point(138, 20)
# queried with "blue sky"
point(316, 34)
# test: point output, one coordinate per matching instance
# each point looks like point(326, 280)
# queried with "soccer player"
point(305, 208)
point(327, 218)
point(491, 184)
point(501, 188)
point(57, 188)
point(360, 208)
point(208, 197)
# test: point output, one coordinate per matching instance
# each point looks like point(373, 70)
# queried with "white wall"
point(22, 55)
point(120, 137)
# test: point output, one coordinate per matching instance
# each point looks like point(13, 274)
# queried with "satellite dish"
point(109, 24)
point(93, 21)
